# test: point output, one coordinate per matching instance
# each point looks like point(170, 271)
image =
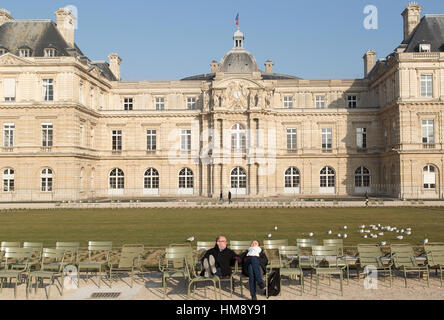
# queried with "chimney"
point(412, 17)
point(114, 64)
point(65, 25)
point(214, 66)
point(269, 66)
point(5, 16)
point(369, 62)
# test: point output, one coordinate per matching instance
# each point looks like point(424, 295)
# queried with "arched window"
point(429, 174)
point(186, 179)
point(151, 179)
point(238, 137)
point(46, 178)
point(362, 177)
point(238, 178)
point(8, 180)
point(328, 179)
point(292, 178)
point(117, 179)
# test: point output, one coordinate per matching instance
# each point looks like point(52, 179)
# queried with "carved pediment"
point(11, 59)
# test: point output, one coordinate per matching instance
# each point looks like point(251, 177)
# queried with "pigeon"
point(339, 235)
point(362, 227)
point(329, 232)
point(408, 233)
point(426, 241)
point(311, 234)
point(269, 235)
point(345, 236)
point(382, 243)
point(275, 228)
point(402, 230)
point(400, 237)
point(345, 227)
point(381, 234)
point(361, 231)
point(365, 236)
point(191, 239)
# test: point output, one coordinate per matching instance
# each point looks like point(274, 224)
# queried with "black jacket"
point(225, 259)
point(263, 261)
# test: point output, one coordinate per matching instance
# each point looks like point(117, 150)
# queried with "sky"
point(170, 40)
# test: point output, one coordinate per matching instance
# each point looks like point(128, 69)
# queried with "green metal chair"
point(371, 256)
point(15, 257)
point(288, 256)
point(239, 247)
point(404, 259)
point(51, 266)
point(71, 252)
point(174, 264)
point(100, 248)
point(305, 253)
point(6, 244)
point(275, 244)
point(37, 249)
point(201, 248)
point(129, 261)
point(324, 260)
point(194, 279)
point(339, 244)
point(435, 257)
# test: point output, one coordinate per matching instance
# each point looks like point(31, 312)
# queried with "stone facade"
point(254, 133)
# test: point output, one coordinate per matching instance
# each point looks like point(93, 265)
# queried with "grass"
point(160, 227)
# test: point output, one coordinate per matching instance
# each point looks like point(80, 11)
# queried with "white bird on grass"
point(361, 231)
point(339, 235)
point(365, 236)
point(345, 236)
point(329, 232)
point(191, 239)
point(426, 241)
point(311, 234)
point(400, 237)
point(382, 243)
point(275, 228)
point(345, 227)
point(381, 234)
point(269, 235)
point(408, 233)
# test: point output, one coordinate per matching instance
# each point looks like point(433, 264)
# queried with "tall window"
point(320, 102)
point(288, 102)
point(50, 53)
point(292, 178)
point(362, 177)
point(427, 85)
point(361, 138)
point(292, 139)
point(8, 135)
point(151, 179)
point(186, 179)
point(429, 177)
point(48, 89)
point(352, 102)
point(151, 140)
point(46, 178)
point(8, 180)
point(117, 140)
point(117, 179)
point(238, 178)
point(327, 139)
point(24, 53)
point(428, 131)
point(160, 103)
point(191, 103)
point(185, 140)
point(238, 137)
point(47, 134)
point(128, 104)
point(327, 178)
point(9, 89)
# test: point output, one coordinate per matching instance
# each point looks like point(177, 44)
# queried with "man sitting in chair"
point(219, 260)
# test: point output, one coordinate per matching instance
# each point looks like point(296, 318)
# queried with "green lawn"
point(159, 227)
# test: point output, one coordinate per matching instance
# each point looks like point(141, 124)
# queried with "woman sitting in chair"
point(254, 263)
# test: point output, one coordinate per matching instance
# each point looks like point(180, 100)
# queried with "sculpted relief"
point(239, 94)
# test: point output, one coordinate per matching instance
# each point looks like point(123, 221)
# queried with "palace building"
point(74, 130)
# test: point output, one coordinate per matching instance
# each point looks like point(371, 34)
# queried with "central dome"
point(238, 60)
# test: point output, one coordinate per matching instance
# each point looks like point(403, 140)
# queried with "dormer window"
point(50, 53)
point(425, 47)
point(25, 53)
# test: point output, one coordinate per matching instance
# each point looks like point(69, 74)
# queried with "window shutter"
point(9, 87)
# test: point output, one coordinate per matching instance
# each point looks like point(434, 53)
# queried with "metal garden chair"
point(404, 260)
point(324, 260)
point(102, 249)
point(435, 257)
point(129, 261)
point(288, 256)
point(371, 256)
point(16, 264)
